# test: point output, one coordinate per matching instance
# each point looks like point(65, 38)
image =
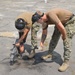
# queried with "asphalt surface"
point(9, 10)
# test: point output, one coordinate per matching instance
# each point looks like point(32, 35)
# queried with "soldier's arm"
point(44, 35)
point(24, 35)
point(62, 29)
point(58, 24)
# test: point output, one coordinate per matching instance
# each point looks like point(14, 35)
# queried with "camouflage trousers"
point(35, 28)
point(67, 43)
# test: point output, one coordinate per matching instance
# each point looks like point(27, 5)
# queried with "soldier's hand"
point(41, 46)
point(63, 37)
point(17, 44)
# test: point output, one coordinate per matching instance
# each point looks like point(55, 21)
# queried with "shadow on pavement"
point(25, 62)
point(56, 58)
point(37, 59)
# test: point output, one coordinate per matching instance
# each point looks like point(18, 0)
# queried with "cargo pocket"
point(70, 28)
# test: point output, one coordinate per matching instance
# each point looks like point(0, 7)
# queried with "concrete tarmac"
point(9, 10)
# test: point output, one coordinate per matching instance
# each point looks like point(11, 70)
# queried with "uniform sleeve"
point(54, 18)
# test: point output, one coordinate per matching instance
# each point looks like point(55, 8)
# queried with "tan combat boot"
point(46, 56)
point(32, 54)
point(64, 66)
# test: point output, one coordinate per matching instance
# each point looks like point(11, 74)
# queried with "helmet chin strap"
point(42, 15)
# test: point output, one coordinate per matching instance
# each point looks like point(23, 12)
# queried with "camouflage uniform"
point(70, 29)
point(34, 28)
point(15, 52)
point(59, 17)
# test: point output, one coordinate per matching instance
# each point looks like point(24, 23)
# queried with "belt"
point(71, 17)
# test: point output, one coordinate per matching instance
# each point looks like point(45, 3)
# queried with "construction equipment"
point(15, 52)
